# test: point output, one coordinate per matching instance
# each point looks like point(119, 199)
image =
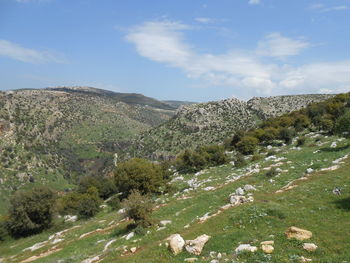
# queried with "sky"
point(177, 49)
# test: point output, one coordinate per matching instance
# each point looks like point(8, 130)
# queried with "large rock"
point(196, 246)
point(176, 243)
point(298, 233)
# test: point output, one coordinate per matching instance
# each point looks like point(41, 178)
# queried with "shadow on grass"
point(343, 203)
point(336, 149)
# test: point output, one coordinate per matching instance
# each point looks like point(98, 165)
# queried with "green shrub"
point(342, 126)
point(89, 203)
point(105, 186)
point(272, 172)
point(301, 141)
point(139, 174)
point(114, 203)
point(287, 134)
point(247, 145)
point(239, 160)
point(3, 230)
point(69, 203)
point(139, 208)
point(30, 212)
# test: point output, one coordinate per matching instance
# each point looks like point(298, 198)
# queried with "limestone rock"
point(165, 222)
point(269, 242)
point(249, 187)
point(240, 199)
point(311, 247)
point(133, 249)
point(304, 260)
point(69, 218)
point(245, 247)
point(91, 260)
point(176, 243)
point(239, 191)
point(268, 249)
point(196, 246)
point(130, 235)
point(190, 260)
point(298, 233)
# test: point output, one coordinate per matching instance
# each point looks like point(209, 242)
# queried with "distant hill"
point(176, 103)
point(212, 122)
point(53, 136)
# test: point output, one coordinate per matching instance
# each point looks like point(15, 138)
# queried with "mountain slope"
point(53, 136)
point(212, 122)
point(201, 205)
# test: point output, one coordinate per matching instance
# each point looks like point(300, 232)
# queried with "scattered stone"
point(165, 222)
point(240, 199)
point(133, 249)
point(190, 260)
point(268, 249)
point(91, 260)
point(36, 246)
point(239, 191)
point(219, 256)
point(108, 244)
point(57, 240)
point(176, 243)
point(311, 247)
point(269, 242)
point(304, 260)
point(334, 145)
point(69, 218)
point(214, 261)
point(196, 246)
point(249, 187)
point(209, 188)
point(298, 233)
point(309, 170)
point(245, 248)
point(130, 235)
point(212, 254)
point(336, 191)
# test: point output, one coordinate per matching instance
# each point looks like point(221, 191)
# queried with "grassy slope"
point(311, 206)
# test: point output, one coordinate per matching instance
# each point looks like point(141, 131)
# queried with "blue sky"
point(177, 49)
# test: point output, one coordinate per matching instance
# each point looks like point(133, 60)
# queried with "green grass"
point(311, 206)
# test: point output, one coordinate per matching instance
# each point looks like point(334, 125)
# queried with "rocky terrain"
point(55, 135)
point(222, 214)
point(212, 122)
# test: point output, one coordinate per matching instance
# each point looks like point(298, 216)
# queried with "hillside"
point(53, 136)
point(212, 122)
point(300, 195)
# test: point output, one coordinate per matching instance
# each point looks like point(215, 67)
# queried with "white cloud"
point(323, 8)
point(17, 52)
point(254, 2)
point(204, 20)
point(245, 71)
point(276, 45)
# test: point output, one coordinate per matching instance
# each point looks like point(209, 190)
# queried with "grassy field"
point(310, 204)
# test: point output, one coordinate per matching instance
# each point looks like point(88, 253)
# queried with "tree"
point(139, 174)
point(247, 145)
point(105, 186)
point(89, 203)
point(342, 126)
point(139, 208)
point(31, 212)
point(287, 134)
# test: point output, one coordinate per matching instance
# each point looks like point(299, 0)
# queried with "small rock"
point(249, 187)
point(245, 247)
point(334, 145)
point(176, 243)
point(165, 222)
point(219, 256)
point(69, 218)
point(304, 260)
point(191, 259)
point(214, 261)
point(91, 260)
point(298, 233)
point(196, 246)
point(239, 191)
point(268, 249)
point(133, 249)
point(130, 235)
point(311, 247)
point(213, 254)
point(269, 242)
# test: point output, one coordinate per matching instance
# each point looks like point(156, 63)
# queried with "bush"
point(89, 203)
point(105, 186)
point(139, 208)
point(271, 173)
point(287, 134)
point(68, 204)
point(247, 145)
point(240, 161)
point(114, 202)
point(139, 174)
point(301, 141)
point(30, 212)
point(3, 230)
point(342, 126)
